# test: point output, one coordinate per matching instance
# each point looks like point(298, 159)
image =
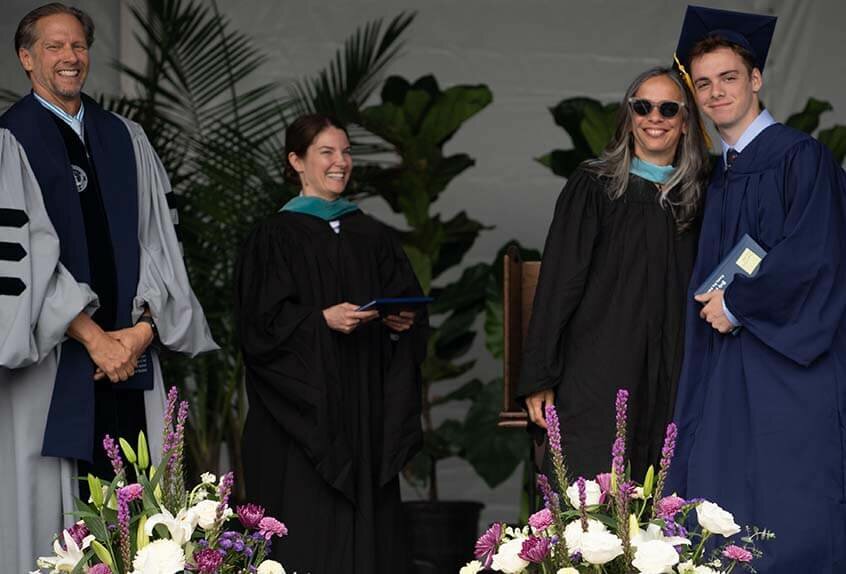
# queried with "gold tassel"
point(689, 83)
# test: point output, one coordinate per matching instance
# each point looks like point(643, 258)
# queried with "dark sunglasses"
point(667, 108)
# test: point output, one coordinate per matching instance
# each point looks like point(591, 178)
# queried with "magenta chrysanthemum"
point(208, 561)
point(535, 549)
point(541, 519)
point(78, 532)
point(737, 553)
point(669, 506)
point(250, 515)
point(488, 543)
point(269, 527)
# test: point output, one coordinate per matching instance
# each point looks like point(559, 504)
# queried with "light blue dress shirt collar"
point(759, 124)
point(75, 122)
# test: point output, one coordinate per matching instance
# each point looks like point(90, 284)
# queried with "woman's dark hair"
point(25, 35)
point(301, 134)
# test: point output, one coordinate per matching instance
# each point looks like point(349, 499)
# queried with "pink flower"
point(208, 560)
point(78, 532)
point(100, 569)
point(131, 492)
point(488, 543)
point(250, 515)
point(669, 506)
point(269, 526)
point(737, 553)
point(535, 549)
point(604, 481)
point(541, 519)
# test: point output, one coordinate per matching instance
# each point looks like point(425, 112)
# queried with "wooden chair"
point(520, 279)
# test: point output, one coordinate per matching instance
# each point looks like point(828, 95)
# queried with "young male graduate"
point(91, 270)
point(762, 397)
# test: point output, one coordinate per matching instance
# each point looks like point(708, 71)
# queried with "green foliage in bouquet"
point(613, 525)
point(154, 524)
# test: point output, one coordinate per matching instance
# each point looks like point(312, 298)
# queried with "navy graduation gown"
point(762, 414)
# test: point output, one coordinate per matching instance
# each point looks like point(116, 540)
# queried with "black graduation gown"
point(333, 417)
point(762, 414)
point(608, 315)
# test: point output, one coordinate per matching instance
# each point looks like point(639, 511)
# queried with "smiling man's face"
point(57, 62)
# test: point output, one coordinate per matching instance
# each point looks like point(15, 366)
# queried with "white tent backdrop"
point(532, 54)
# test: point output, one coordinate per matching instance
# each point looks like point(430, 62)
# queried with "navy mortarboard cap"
point(753, 32)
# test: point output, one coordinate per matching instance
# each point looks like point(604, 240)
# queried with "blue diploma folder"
point(744, 258)
point(392, 305)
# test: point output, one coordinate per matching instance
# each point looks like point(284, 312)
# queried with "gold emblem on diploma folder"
point(748, 261)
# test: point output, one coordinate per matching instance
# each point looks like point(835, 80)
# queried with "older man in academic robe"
point(91, 275)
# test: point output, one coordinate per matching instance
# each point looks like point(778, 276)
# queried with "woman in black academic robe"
point(609, 306)
point(334, 392)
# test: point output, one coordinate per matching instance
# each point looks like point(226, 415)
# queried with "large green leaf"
point(598, 126)
point(808, 119)
point(495, 453)
point(563, 162)
point(451, 109)
point(835, 139)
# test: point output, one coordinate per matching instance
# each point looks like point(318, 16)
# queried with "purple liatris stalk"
point(535, 549)
point(123, 518)
point(580, 484)
point(550, 499)
point(113, 452)
point(553, 431)
point(618, 465)
point(667, 452)
point(488, 544)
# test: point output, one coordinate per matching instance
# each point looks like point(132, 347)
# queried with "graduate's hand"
point(712, 311)
point(399, 323)
point(536, 404)
point(136, 338)
point(112, 358)
point(344, 318)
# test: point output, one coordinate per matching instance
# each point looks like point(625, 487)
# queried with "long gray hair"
point(683, 191)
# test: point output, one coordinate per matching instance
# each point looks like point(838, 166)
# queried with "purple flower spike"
point(113, 452)
point(580, 484)
point(535, 549)
point(250, 515)
point(550, 499)
point(488, 544)
point(667, 452)
point(553, 428)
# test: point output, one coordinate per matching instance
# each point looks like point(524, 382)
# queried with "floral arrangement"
point(612, 525)
point(155, 526)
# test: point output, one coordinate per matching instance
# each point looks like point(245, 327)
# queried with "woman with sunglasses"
point(609, 306)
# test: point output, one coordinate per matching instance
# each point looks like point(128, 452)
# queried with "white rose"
point(159, 557)
point(573, 533)
point(714, 519)
point(507, 560)
point(653, 532)
point(600, 547)
point(471, 567)
point(204, 512)
point(592, 493)
point(655, 557)
point(689, 568)
point(270, 567)
point(567, 570)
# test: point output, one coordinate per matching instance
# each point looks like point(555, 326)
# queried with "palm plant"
point(222, 146)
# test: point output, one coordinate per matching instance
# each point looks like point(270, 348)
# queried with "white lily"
point(180, 526)
point(654, 532)
point(65, 559)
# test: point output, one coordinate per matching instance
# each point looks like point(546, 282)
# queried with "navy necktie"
point(731, 156)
